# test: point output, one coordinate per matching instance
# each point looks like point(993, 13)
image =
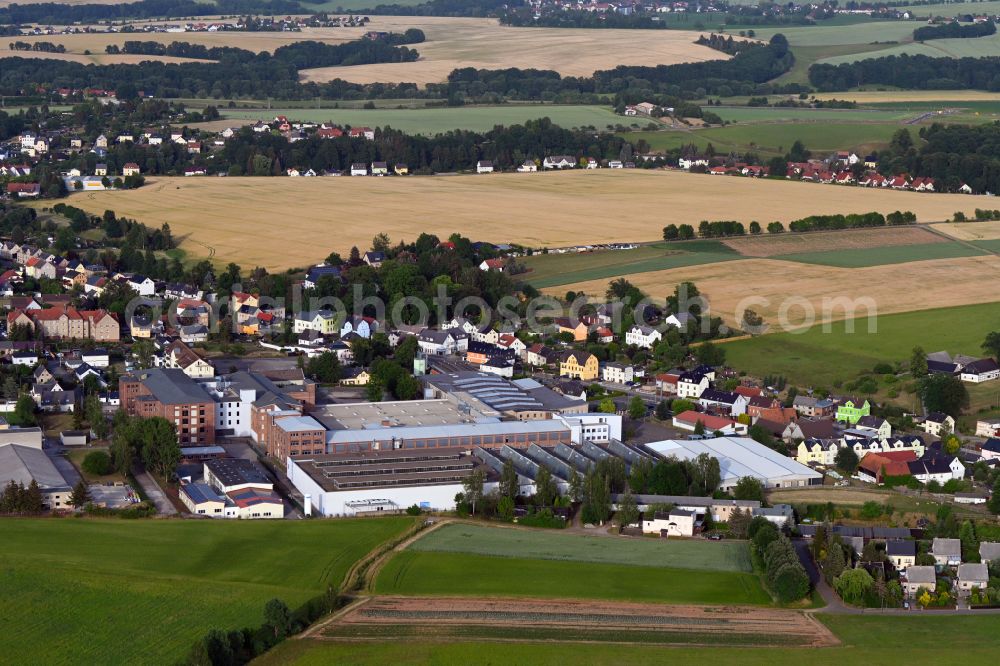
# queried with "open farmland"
point(946, 97)
point(453, 43)
point(815, 357)
point(851, 239)
point(809, 293)
point(95, 58)
point(259, 221)
point(415, 572)
point(113, 591)
point(867, 638)
point(970, 231)
point(431, 121)
point(565, 620)
point(548, 545)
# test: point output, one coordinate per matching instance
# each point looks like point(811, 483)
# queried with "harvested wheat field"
point(283, 222)
point(854, 239)
point(887, 96)
point(776, 285)
point(398, 618)
point(970, 231)
point(453, 43)
point(95, 58)
point(822, 495)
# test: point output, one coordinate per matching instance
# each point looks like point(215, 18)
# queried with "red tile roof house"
point(24, 189)
point(689, 421)
point(874, 467)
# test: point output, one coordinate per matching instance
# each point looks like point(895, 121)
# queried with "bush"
point(413, 510)
point(97, 463)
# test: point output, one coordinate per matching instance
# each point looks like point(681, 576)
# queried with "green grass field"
point(498, 542)
point(816, 358)
point(775, 138)
point(432, 121)
point(970, 640)
point(881, 256)
point(414, 572)
point(757, 114)
point(494, 561)
point(131, 592)
point(551, 270)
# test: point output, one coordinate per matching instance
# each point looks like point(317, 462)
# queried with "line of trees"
point(774, 553)
point(912, 72)
point(277, 76)
point(851, 221)
point(54, 13)
point(954, 30)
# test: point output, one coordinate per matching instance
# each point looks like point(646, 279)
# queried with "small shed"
point(73, 437)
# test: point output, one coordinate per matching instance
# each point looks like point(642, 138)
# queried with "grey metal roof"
point(172, 387)
point(23, 464)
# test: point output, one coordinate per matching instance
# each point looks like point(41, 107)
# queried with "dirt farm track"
point(279, 223)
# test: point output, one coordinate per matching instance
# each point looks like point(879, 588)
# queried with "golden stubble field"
point(451, 43)
point(282, 222)
point(778, 284)
point(971, 231)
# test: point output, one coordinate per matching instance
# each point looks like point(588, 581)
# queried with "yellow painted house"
point(578, 365)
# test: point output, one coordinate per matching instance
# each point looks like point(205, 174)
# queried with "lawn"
point(817, 358)
point(881, 256)
point(77, 455)
point(99, 591)
point(971, 640)
point(413, 572)
point(432, 121)
point(499, 542)
point(550, 270)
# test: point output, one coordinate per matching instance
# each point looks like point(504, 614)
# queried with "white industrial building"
point(739, 457)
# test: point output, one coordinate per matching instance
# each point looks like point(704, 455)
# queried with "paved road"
point(153, 492)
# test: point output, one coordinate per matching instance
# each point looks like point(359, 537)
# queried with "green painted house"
point(852, 409)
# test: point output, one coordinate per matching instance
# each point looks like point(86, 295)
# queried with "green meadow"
point(137, 592)
point(817, 357)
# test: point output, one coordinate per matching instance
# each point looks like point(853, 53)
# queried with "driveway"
point(153, 492)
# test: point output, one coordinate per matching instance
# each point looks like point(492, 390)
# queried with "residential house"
point(642, 336)
point(578, 365)
point(803, 429)
point(690, 419)
point(69, 323)
point(179, 355)
point(902, 553)
point(692, 384)
point(972, 575)
point(676, 522)
point(512, 342)
point(492, 265)
point(989, 551)
point(937, 468)
point(380, 169)
point(539, 355)
point(852, 409)
point(559, 162)
point(355, 377)
point(679, 320)
point(359, 169)
point(374, 258)
point(947, 552)
point(988, 428)
point(363, 327)
point(436, 342)
point(815, 407)
point(938, 424)
point(983, 370)
point(990, 449)
point(131, 169)
point(728, 402)
point(140, 326)
point(918, 577)
point(578, 329)
point(617, 373)
point(322, 321)
point(528, 167)
point(875, 424)
point(484, 166)
point(142, 285)
point(874, 467)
